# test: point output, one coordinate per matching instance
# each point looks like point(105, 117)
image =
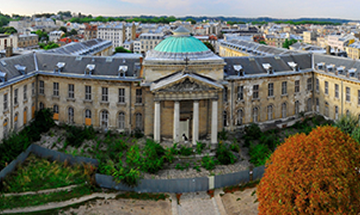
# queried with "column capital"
point(196, 100)
point(177, 101)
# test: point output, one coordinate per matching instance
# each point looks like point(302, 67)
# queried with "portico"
point(194, 100)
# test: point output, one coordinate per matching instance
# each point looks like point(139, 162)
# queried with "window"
point(358, 97)
point(5, 101)
point(317, 104)
point(87, 117)
point(225, 118)
point(25, 92)
point(104, 94)
point(336, 112)
point(297, 107)
point(240, 92)
point(87, 92)
point(138, 96)
point(16, 121)
point(255, 91)
point(225, 94)
point(5, 130)
point(348, 94)
point(138, 120)
point(317, 85)
point(239, 118)
point(42, 87)
point(121, 120)
point(255, 114)
point(270, 89)
point(56, 89)
point(41, 106)
point(309, 84)
point(71, 115)
point(336, 91)
point(104, 119)
point(326, 88)
point(15, 96)
point(283, 110)
point(71, 90)
point(284, 88)
point(297, 86)
point(121, 95)
point(270, 112)
point(326, 109)
point(33, 88)
point(309, 105)
point(56, 112)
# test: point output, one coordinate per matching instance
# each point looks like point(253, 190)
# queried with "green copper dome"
point(181, 44)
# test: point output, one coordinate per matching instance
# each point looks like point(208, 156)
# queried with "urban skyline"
point(240, 8)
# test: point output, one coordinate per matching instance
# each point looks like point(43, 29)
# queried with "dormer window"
point(89, 70)
point(320, 66)
point(340, 71)
point(122, 70)
point(21, 69)
point(268, 68)
point(239, 70)
point(59, 67)
point(3, 76)
point(330, 68)
point(352, 72)
point(293, 65)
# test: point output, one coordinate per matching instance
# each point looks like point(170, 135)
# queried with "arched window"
point(255, 114)
point(225, 118)
point(104, 119)
point(283, 110)
point(336, 112)
point(121, 120)
point(269, 112)
point(87, 117)
point(41, 106)
point(317, 105)
point(16, 121)
point(240, 115)
point(138, 120)
point(71, 115)
point(326, 109)
point(309, 105)
point(5, 128)
point(56, 112)
point(297, 107)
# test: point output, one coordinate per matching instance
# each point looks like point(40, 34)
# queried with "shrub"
point(137, 133)
point(133, 156)
point(224, 155)
point(128, 176)
point(199, 147)
point(312, 174)
point(75, 136)
point(347, 123)
point(234, 146)
point(208, 162)
point(252, 132)
point(271, 140)
point(223, 134)
point(186, 151)
point(259, 154)
point(153, 157)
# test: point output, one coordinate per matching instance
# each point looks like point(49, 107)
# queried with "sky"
point(344, 9)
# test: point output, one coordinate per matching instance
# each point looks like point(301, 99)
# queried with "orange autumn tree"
point(312, 174)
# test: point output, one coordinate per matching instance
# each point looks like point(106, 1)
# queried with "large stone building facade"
point(180, 89)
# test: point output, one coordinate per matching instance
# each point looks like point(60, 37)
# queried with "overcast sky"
point(345, 9)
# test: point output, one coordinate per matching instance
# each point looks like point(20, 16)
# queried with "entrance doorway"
point(184, 128)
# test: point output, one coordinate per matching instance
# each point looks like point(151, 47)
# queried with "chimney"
point(328, 50)
point(9, 51)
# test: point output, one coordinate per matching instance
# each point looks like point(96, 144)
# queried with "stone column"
point(195, 136)
point(176, 121)
point(214, 122)
point(157, 122)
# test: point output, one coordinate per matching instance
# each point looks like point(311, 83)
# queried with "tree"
point(312, 174)
point(209, 46)
point(191, 20)
point(73, 32)
point(263, 42)
point(121, 49)
point(64, 29)
point(288, 43)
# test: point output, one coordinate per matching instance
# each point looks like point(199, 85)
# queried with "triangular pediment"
point(186, 83)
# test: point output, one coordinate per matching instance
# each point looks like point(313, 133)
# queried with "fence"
point(181, 185)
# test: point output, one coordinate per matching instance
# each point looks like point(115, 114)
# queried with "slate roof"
point(83, 48)
point(337, 62)
point(7, 65)
point(254, 65)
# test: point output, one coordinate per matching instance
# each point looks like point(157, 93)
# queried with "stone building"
point(180, 89)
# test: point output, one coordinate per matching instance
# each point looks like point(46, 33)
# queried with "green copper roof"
point(176, 44)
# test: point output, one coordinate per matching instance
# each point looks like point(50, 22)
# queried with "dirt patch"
point(241, 202)
point(124, 207)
